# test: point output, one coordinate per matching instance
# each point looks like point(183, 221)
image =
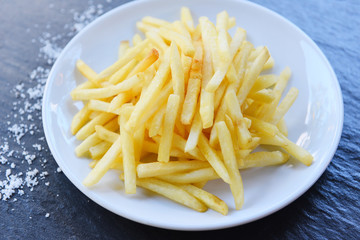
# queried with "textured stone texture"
point(329, 210)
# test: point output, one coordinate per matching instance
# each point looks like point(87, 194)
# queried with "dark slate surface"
point(328, 210)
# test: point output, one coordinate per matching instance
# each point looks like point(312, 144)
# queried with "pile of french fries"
point(183, 105)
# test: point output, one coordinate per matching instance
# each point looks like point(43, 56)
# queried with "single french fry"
point(199, 175)
point(296, 151)
point(222, 19)
point(209, 38)
point(154, 169)
point(172, 192)
point(212, 157)
point(285, 105)
point(129, 55)
point(193, 87)
point(80, 119)
point(177, 72)
point(263, 159)
point(156, 22)
point(86, 71)
point(281, 125)
point(128, 152)
point(207, 198)
point(186, 62)
point(103, 165)
point(186, 19)
point(230, 161)
point(269, 63)
point(136, 39)
point(231, 22)
point(195, 130)
point(123, 47)
point(168, 129)
point(145, 28)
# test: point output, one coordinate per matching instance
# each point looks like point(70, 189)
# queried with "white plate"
point(315, 121)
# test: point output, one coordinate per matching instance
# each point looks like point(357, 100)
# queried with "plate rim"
point(286, 202)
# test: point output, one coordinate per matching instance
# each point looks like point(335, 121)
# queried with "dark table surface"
point(47, 206)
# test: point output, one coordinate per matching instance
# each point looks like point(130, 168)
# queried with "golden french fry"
point(129, 55)
point(263, 159)
point(154, 169)
point(128, 152)
point(212, 157)
point(200, 175)
point(86, 71)
point(177, 72)
point(207, 198)
point(123, 47)
point(187, 19)
point(169, 124)
point(172, 192)
point(195, 130)
point(80, 119)
point(193, 87)
point(285, 105)
point(230, 161)
point(103, 165)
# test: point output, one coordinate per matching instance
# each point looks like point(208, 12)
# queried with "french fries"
point(185, 105)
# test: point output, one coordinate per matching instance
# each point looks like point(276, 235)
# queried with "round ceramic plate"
point(314, 121)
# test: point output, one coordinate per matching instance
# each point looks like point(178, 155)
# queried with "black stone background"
point(328, 210)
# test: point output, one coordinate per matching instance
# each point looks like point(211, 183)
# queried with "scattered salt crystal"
point(3, 160)
point(30, 158)
point(37, 146)
point(26, 110)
